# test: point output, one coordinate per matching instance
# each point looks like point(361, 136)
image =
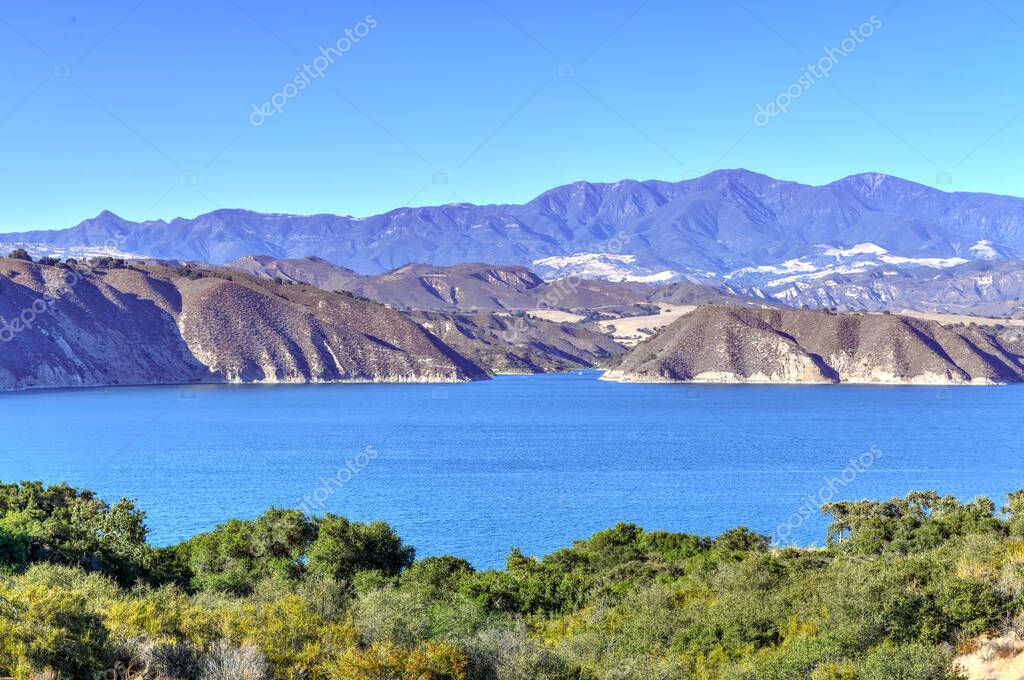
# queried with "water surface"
point(528, 461)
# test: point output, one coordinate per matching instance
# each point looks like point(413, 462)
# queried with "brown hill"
point(468, 288)
point(686, 293)
point(506, 343)
point(461, 287)
point(312, 270)
point(734, 344)
point(149, 323)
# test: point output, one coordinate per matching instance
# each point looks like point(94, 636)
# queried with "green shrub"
point(342, 548)
point(912, 661)
point(62, 525)
point(290, 596)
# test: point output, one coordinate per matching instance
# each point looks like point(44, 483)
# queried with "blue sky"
point(146, 108)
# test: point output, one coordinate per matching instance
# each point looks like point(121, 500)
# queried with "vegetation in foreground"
point(900, 585)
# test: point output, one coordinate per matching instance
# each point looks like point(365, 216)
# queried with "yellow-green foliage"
point(910, 577)
point(426, 661)
point(296, 640)
point(163, 615)
point(48, 619)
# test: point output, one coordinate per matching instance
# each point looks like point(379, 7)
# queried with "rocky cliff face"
point(732, 344)
point(150, 324)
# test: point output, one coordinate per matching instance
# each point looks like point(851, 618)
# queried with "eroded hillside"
point(84, 325)
point(732, 344)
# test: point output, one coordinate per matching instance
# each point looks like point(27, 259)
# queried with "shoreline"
point(236, 383)
point(639, 380)
point(603, 376)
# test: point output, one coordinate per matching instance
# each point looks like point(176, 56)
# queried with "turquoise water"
point(527, 461)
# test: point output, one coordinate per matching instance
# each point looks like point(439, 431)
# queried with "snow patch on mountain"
point(661, 277)
point(789, 266)
point(607, 266)
point(938, 262)
point(983, 250)
point(820, 274)
point(38, 250)
point(833, 260)
point(859, 249)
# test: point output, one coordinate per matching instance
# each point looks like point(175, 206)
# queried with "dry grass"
point(992, 658)
point(556, 315)
point(627, 330)
point(951, 319)
point(225, 662)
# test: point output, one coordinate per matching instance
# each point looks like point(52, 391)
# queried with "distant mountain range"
point(730, 225)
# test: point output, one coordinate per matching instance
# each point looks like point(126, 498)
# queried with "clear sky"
point(146, 108)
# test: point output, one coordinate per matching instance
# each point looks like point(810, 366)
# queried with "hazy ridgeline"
point(901, 588)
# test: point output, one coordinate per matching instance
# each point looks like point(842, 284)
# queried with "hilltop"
point(118, 323)
point(717, 343)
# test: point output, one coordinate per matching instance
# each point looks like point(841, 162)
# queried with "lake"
point(528, 461)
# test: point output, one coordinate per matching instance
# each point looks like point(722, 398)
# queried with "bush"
point(62, 525)
point(342, 548)
point(160, 660)
point(287, 545)
point(389, 614)
point(236, 555)
point(429, 661)
point(225, 662)
point(289, 596)
point(510, 654)
point(164, 615)
point(436, 576)
point(906, 662)
point(48, 627)
point(287, 631)
point(108, 263)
